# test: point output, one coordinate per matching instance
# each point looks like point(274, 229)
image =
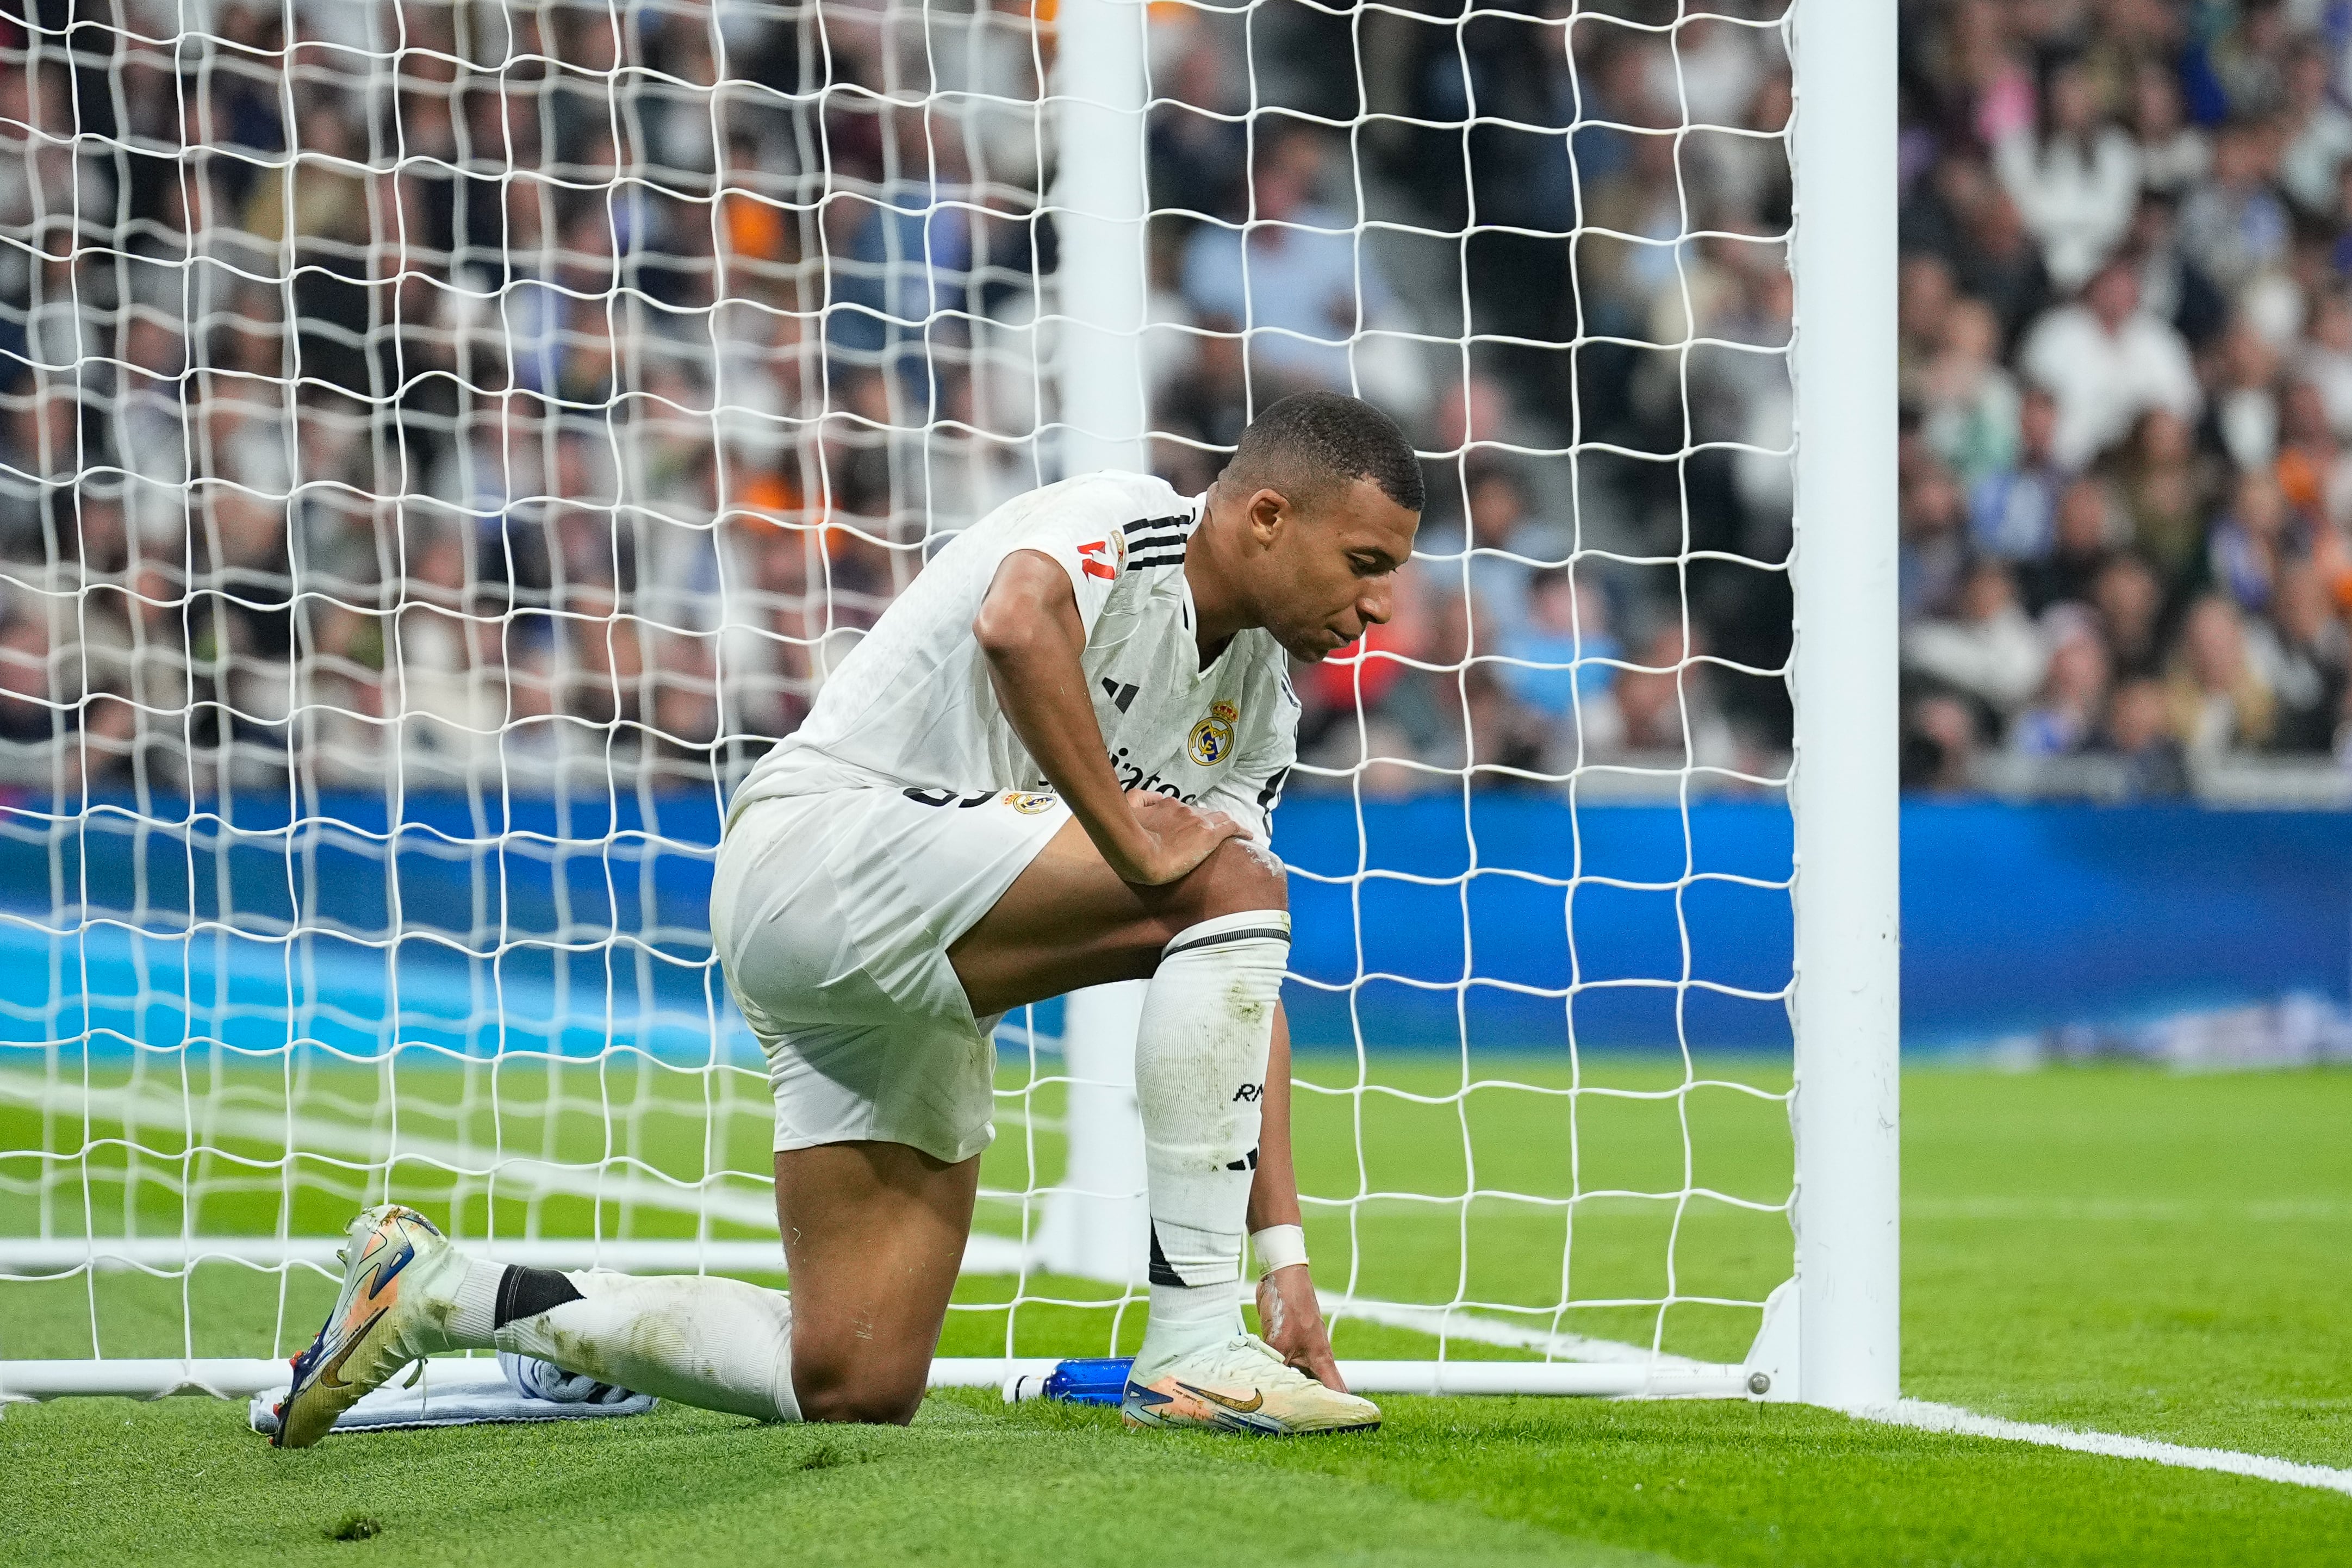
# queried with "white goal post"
point(289, 1089)
point(1844, 785)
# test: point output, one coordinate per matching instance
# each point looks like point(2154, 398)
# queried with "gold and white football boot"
point(1240, 1384)
point(400, 1286)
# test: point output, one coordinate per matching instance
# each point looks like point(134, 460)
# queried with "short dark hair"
point(1313, 438)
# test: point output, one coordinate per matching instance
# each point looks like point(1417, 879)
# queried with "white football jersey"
point(912, 708)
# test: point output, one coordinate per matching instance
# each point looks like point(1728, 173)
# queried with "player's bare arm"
point(1029, 630)
point(1288, 1312)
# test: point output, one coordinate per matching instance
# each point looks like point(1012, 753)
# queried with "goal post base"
point(1772, 1359)
point(137, 1378)
point(242, 1378)
point(1768, 1373)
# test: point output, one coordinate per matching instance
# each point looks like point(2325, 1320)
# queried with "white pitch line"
point(519, 1174)
point(1460, 1323)
point(741, 1202)
point(1948, 1419)
point(2272, 1210)
point(1952, 1420)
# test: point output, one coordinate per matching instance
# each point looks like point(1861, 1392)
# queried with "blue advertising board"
point(487, 926)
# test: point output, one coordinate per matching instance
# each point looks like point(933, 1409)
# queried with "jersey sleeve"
point(1254, 788)
point(1080, 532)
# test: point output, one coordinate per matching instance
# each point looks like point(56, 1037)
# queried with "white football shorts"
point(832, 915)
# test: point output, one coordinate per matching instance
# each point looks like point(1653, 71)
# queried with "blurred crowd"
point(462, 393)
point(2126, 368)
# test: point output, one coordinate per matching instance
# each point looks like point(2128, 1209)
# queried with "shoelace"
point(1251, 1343)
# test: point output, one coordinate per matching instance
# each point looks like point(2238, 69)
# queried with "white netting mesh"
point(442, 445)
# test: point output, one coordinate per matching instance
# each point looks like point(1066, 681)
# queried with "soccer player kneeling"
point(1050, 765)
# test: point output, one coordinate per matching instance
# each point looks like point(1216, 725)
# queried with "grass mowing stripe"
point(1930, 1417)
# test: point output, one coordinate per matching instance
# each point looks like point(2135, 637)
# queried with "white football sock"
point(1200, 1074)
point(474, 1324)
point(719, 1344)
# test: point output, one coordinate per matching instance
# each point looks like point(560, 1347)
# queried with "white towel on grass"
point(461, 1392)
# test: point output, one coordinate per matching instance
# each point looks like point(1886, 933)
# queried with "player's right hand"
point(1293, 1320)
point(1177, 838)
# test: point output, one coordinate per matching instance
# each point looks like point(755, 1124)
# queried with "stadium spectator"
point(1197, 150)
point(2003, 266)
point(1561, 645)
point(2013, 509)
point(2106, 362)
point(2165, 485)
point(1506, 547)
point(2140, 733)
point(1923, 311)
point(2063, 719)
point(1940, 744)
point(1661, 712)
point(2234, 225)
point(2171, 288)
point(2074, 176)
point(2319, 132)
point(2325, 359)
point(2242, 413)
point(2129, 600)
point(2250, 541)
point(2174, 155)
point(1971, 408)
point(2309, 471)
point(1986, 648)
point(2247, 58)
point(1935, 540)
point(2083, 532)
point(27, 707)
point(1521, 176)
point(2304, 662)
point(2217, 699)
point(1302, 292)
point(1207, 403)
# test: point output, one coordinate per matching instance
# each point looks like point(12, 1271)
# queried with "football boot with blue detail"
point(1241, 1385)
point(400, 1288)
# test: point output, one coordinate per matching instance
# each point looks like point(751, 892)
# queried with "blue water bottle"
point(1081, 1379)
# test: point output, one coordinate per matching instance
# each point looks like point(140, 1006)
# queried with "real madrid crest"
point(1212, 737)
point(1028, 803)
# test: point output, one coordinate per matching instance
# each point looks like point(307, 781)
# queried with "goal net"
point(442, 445)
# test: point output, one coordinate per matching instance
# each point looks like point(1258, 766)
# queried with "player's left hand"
point(1293, 1324)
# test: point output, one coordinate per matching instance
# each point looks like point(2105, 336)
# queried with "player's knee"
point(1241, 874)
point(865, 1409)
point(868, 1401)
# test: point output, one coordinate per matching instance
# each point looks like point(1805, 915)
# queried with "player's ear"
point(1268, 513)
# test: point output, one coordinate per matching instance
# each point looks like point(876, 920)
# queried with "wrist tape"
point(1278, 1247)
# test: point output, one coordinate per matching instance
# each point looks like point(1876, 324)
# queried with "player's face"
point(1330, 571)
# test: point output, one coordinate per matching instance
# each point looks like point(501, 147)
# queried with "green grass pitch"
point(2119, 1250)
